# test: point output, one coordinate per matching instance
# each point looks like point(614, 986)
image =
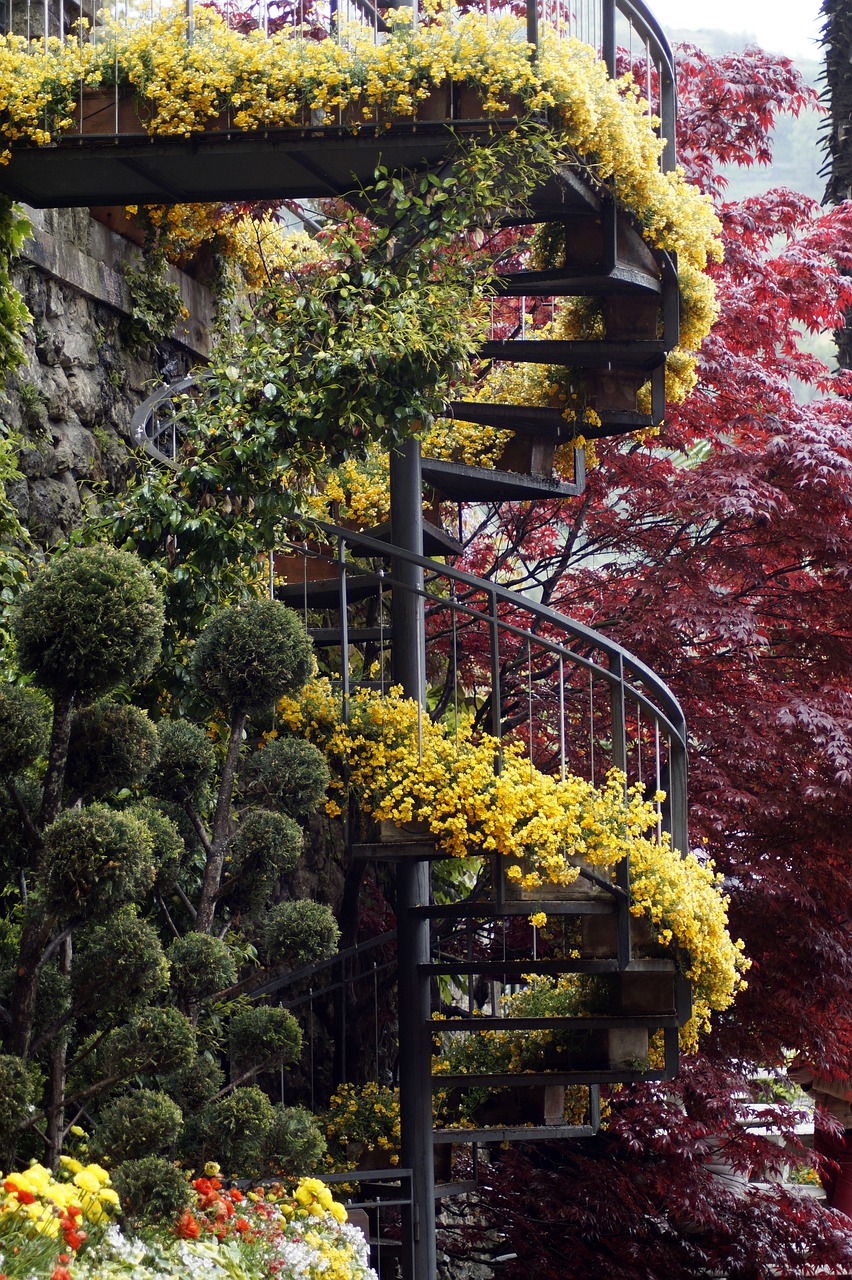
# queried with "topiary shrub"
point(152, 1191)
point(18, 1090)
point(298, 933)
point(156, 1040)
point(24, 727)
point(200, 966)
point(236, 1130)
point(264, 1037)
point(289, 773)
point(265, 848)
point(95, 860)
point(112, 745)
point(169, 848)
point(143, 1123)
point(295, 1144)
point(248, 657)
point(118, 966)
point(186, 762)
point(91, 620)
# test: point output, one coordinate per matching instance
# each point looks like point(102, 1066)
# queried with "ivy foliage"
point(363, 345)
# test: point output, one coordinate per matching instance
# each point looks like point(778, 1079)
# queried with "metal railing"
point(624, 33)
point(578, 700)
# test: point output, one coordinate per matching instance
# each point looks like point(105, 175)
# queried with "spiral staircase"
point(392, 601)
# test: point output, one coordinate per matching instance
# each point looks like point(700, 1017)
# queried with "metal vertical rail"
point(619, 761)
point(412, 878)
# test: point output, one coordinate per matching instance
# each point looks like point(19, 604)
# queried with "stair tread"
point(624, 278)
point(574, 1022)
point(398, 851)
point(626, 355)
point(480, 484)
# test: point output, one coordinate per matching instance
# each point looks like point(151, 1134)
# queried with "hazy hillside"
point(798, 152)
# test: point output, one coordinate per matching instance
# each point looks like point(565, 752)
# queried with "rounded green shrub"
point(236, 1130)
point(295, 1145)
point(18, 1090)
point(290, 774)
point(266, 847)
point(91, 620)
point(155, 1040)
point(96, 860)
point(169, 848)
point(264, 1037)
point(248, 657)
point(298, 933)
point(185, 764)
point(142, 1123)
point(118, 966)
point(152, 1191)
point(200, 966)
point(194, 1086)
point(24, 727)
point(113, 745)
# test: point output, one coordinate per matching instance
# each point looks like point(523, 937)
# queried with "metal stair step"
point(579, 1022)
point(584, 1076)
point(324, 637)
point(479, 484)
point(563, 282)
point(399, 851)
point(512, 969)
point(539, 420)
point(523, 1133)
point(497, 910)
point(325, 593)
point(624, 355)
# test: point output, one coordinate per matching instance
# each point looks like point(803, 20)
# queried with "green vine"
point(156, 304)
point(14, 315)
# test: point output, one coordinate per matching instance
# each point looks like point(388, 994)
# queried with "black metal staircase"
point(580, 701)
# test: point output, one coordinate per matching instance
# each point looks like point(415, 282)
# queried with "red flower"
point(22, 1195)
point(236, 1195)
point(242, 1225)
point(186, 1227)
point(60, 1273)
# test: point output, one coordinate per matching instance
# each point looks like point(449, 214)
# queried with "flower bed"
point(62, 1228)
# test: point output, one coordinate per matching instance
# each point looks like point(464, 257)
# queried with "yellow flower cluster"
point(226, 78)
point(39, 1200)
point(315, 1200)
point(360, 1119)
point(684, 902)
point(405, 769)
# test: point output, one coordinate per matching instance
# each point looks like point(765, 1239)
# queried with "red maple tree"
point(720, 552)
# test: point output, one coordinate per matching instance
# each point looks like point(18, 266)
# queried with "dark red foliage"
point(721, 554)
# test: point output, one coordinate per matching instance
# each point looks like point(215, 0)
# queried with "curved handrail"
point(629, 680)
point(675, 717)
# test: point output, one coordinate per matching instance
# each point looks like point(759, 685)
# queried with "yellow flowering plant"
point(362, 1121)
point(404, 768)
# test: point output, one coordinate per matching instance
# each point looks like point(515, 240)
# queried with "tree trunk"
point(54, 780)
point(221, 828)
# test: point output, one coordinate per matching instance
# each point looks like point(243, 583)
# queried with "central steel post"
point(408, 651)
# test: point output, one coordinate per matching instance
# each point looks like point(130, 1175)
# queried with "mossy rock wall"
point(74, 397)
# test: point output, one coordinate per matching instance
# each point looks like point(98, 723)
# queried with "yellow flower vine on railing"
point(270, 82)
point(405, 769)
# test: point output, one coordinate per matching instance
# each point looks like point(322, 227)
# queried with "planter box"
point(107, 112)
point(321, 566)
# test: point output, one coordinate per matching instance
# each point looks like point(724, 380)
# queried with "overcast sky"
point(780, 26)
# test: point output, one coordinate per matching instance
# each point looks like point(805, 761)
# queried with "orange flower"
point(186, 1227)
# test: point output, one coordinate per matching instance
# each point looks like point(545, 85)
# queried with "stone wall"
point(74, 397)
